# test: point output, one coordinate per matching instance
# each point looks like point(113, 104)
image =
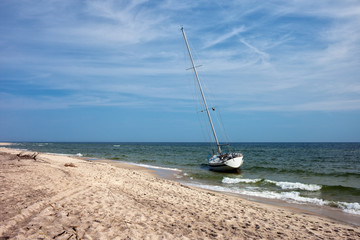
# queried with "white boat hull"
point(216, 164)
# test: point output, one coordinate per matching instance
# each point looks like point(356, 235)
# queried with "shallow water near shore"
point(320, 174)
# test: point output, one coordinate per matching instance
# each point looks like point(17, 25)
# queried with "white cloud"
point(224, 37)
point(263, 54)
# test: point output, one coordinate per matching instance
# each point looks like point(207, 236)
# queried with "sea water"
point(322, 174)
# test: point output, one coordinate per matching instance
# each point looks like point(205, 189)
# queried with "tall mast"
point(201, 91)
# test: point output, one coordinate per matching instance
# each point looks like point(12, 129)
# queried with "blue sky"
point(115, 70)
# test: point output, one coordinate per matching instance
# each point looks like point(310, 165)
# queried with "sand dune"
point(47, 196)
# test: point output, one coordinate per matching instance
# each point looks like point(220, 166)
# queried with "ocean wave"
point(353, 208)
point(154, 167)
point(307, 172)
point(240, 180)
point(282, 185)
point(295, 185)
point(79, 155)
point(60, 154)
point(293, 196)
point(338, 188)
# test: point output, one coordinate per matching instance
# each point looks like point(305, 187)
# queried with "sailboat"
point(218, 160)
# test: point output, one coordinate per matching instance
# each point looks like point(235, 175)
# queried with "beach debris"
point(59, 234)
point(72, 232)
point(69, 165)
point(28, 155)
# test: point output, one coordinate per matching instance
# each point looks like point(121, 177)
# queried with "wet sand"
point(46, 196)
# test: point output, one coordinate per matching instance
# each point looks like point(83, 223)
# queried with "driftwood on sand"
point(27, 155)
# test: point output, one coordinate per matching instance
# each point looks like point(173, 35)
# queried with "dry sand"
point(5, 144)
point(56, 197)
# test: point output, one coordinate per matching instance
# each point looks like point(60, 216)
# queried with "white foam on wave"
point(41, 144)
point(295, 185)
point(79, 154)
point(353, 208)
point(154, 167)
point(282, 185)
point(295, 196)
point(60, 154)
point(240, 180)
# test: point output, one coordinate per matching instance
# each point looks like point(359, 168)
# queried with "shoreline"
point(307, 208)
point(171, 174)
point(51, 196)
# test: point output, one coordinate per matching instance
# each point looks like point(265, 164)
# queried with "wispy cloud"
point(264, 54)
point(322, 106)
point(224, 37)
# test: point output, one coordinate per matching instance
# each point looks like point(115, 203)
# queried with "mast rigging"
point(201, 91)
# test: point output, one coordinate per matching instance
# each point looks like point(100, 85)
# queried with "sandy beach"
point(5, 144)
point(46, 196)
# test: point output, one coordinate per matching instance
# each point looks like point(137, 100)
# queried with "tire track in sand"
point(34, 210)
